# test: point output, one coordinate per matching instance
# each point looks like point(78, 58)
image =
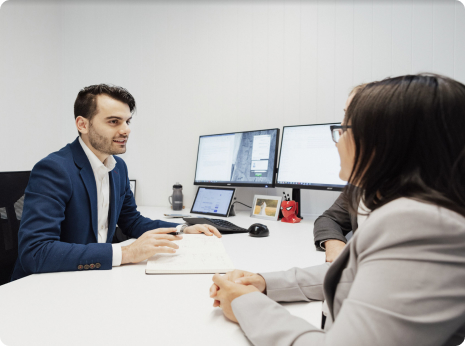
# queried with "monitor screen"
point(238, 159)
point(213, 201)
point(309, 158)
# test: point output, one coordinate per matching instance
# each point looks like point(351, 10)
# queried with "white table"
point(124, 306)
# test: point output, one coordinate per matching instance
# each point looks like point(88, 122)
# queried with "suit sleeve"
point(39, 247)
point(334, 223)
point(400, 295)
point(131, 222)
point(296, 284)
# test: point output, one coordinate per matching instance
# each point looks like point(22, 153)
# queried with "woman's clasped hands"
point(232, 285)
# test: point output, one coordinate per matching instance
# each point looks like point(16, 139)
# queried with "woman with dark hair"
point(331, 228)
point(401, 278)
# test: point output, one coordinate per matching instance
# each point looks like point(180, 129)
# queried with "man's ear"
point(82, 125)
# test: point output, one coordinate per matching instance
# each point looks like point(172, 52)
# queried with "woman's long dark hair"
point(409, 135)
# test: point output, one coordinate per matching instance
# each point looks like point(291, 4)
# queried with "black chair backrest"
point(12, 187)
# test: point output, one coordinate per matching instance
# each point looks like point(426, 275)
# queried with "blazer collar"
point(88, 178)
point(114, 194)
point(80, 158)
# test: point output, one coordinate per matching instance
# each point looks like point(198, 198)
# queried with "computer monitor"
point(309, 159)
point(238, 159)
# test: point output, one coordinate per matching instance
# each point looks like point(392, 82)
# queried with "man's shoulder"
point(59, 163)
point(54, 173)
point(60, 157)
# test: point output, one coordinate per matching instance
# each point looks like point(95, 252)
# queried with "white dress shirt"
point(102, 181)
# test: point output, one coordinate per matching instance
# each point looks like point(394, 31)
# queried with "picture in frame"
point(132, 185)
point(266, 207)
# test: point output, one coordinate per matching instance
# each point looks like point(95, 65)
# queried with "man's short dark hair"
point(86, 103)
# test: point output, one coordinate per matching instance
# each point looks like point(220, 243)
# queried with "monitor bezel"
point(214, 188)
point(300, 186)
point(275, 167)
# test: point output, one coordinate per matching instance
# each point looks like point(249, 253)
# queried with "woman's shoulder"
point(403, 209)
point(405, 220)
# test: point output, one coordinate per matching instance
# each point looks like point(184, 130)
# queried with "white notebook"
point(197, 254)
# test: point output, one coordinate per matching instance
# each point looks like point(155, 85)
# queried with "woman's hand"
point(240, 277)
point(228, 291)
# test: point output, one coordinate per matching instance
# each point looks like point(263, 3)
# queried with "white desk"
point(124, 306)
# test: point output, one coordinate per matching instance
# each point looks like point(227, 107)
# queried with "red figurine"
point(289, 210)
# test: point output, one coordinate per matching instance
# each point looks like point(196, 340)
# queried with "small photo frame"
point(132, 185)
point(266, 207)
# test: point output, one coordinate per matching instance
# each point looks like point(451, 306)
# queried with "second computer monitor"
point(238, 159)
point(309, 158)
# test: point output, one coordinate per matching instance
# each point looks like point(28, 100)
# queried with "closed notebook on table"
point(197, 254)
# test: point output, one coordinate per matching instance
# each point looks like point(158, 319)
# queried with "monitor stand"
point(296, 198)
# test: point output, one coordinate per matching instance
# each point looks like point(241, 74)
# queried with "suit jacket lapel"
point(333, 276)
point(88, 178)
point(114, 194)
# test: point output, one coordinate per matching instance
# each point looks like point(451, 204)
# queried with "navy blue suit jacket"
point(58, 229)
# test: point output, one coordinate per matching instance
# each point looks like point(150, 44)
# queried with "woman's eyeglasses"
point(337, 131)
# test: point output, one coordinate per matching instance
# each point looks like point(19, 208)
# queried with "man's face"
point(109, 128)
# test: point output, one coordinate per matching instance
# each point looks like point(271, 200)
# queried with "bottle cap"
point(177, 186)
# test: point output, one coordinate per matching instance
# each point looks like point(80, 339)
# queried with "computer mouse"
point(258, 230)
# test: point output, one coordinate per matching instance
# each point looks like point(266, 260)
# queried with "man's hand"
point(240, 277)
point(333, 249)
point(149, 244)
point(227, 292)
point(207, 229)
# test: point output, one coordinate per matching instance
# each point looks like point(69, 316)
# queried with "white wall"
point(205, 67)
point(29, 84)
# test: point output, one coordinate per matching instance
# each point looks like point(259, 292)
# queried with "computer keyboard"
point(222, 225)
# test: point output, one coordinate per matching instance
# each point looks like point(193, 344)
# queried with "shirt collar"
point(97, 166)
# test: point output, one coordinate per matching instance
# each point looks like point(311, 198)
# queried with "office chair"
point(12, 187)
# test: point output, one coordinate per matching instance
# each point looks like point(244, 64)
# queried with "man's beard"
point(103, 144)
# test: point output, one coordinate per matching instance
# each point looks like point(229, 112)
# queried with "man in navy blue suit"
point(77, 195)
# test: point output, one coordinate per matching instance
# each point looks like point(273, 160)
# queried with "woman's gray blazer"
point(399, 281)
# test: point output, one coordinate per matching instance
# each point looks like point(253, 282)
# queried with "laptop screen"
point(213, 201)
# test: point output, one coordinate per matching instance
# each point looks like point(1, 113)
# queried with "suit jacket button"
point(92, 266)
point(97, 265)
point(80, 267)
point(86, 267)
